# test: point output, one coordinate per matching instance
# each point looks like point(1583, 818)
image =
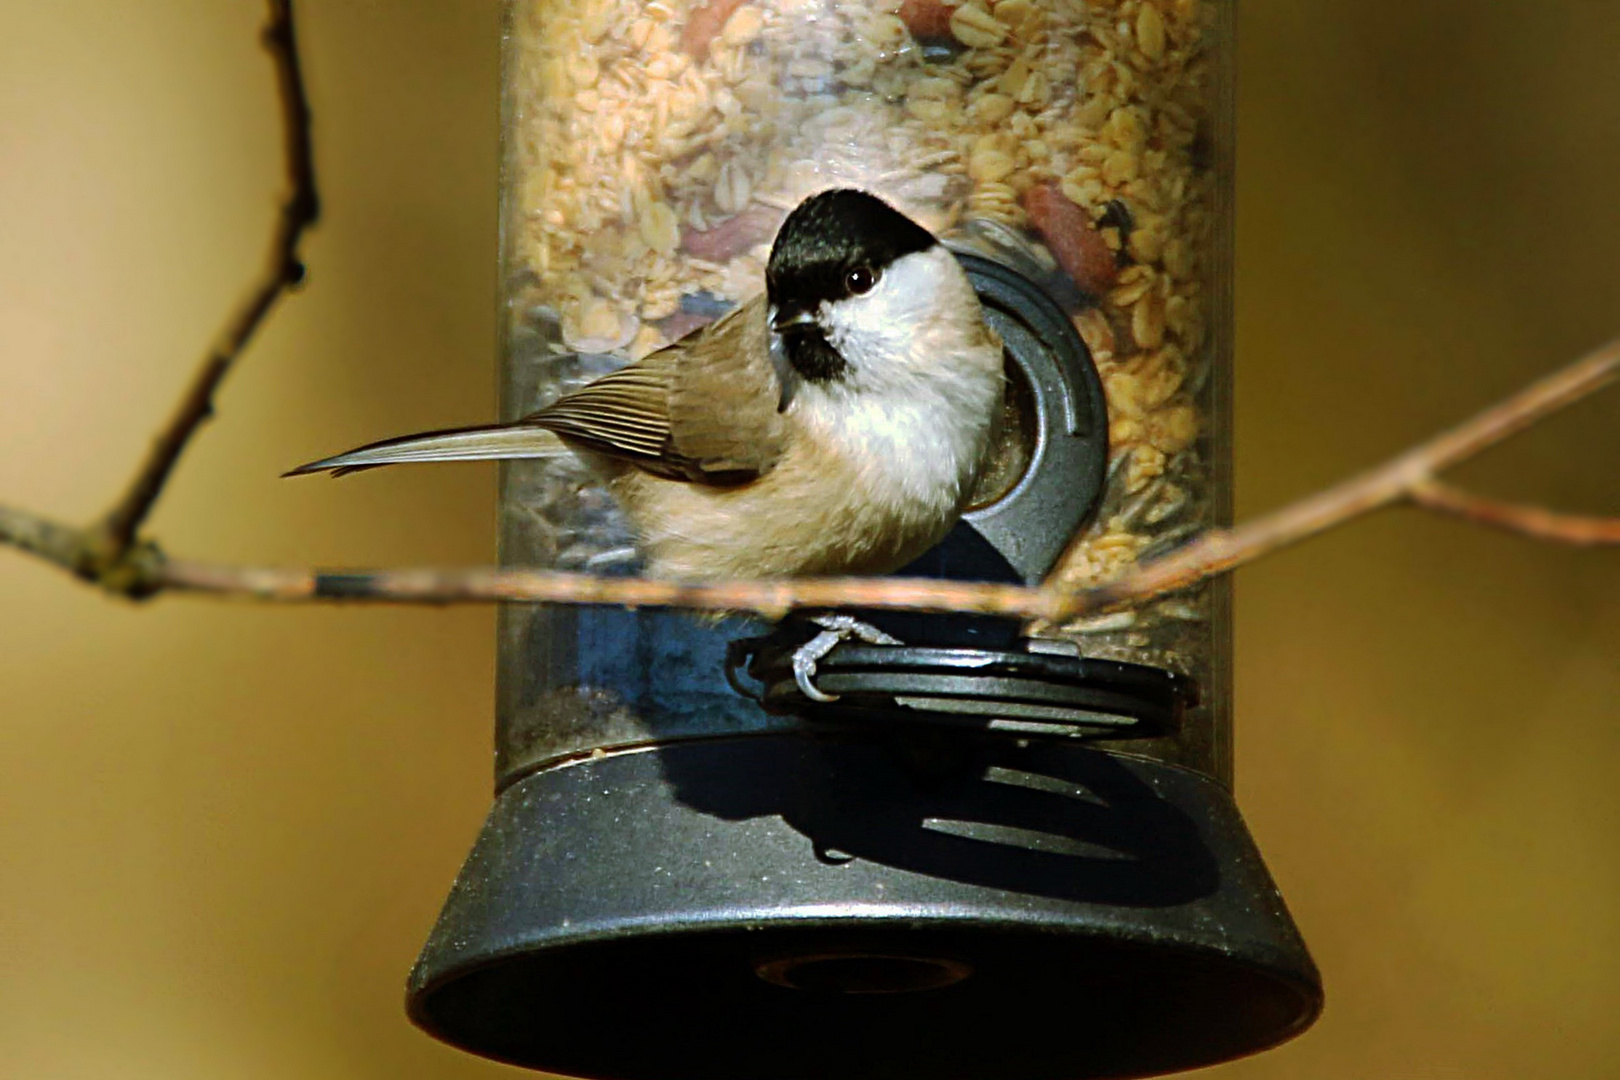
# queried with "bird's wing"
point(624, 414)
point(703, 409)
point(724, 402)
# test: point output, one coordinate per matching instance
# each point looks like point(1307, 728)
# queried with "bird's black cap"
point(830, 234)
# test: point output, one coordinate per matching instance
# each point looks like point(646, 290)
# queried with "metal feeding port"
point(1049, 464)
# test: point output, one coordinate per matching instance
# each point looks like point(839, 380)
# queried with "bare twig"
point(1406, 477)
point(1532, 521)
point(111, 554)
point(1214, 553)
point(1211, 554)
point(53, 542)
point(773, 598)
point(1394, 481)
point(108, 545)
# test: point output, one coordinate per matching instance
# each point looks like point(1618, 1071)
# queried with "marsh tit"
point(835, 424)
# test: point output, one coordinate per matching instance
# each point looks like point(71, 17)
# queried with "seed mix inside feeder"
point(1000, 849)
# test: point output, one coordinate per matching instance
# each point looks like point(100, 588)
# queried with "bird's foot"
point(834, 629)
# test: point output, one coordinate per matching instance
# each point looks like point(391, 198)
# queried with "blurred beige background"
point(225, 829)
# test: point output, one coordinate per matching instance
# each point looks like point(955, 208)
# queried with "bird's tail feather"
point(484, 443)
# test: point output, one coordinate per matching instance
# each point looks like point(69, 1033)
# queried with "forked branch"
point(1407, 477)
point(109, 544)
point(1536, 522)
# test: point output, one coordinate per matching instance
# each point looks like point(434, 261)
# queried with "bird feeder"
point(1004, 849)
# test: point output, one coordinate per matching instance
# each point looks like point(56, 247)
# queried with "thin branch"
point(112, 556)
point(1533, 521)
point(50, 540)
point(148, 571)
point(773, 598)
point(283, 270)
point(1219, 550)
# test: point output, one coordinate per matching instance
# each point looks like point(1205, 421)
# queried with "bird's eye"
point(860, 280)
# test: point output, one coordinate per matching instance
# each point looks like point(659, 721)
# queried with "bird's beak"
point(800, 320)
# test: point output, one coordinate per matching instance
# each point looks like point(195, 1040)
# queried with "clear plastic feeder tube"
point(650, 151)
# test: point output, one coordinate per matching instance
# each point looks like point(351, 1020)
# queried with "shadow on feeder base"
point(784, 907)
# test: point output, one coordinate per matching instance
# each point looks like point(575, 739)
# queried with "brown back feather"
point(703, 409)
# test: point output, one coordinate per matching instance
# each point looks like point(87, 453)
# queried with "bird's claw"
point(835, 628)
point(737, 656)
point(805, 660)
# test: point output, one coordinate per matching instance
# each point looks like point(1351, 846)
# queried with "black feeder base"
point(904, 905)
